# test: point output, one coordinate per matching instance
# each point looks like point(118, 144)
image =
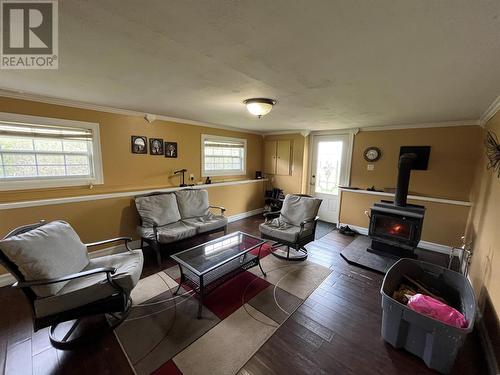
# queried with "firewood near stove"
point(409, 287)
point(423, 289)
point(403, 293)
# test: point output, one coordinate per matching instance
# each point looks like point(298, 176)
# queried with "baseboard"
point(8, 279)
point(438, 248)
point(244, 215)
point(360, 230)
point(488, 328)
point(489, 353)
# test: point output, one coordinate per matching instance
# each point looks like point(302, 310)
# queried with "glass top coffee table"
point(206, 266)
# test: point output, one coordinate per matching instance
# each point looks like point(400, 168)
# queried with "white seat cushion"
point(158, 209)
point(85, 290)
point(296, 209)
point(192, 203)
point(207, 223)
point(50, 251)
point(283, 231)
point(169, 233)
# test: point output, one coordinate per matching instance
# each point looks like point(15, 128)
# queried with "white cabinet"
point(278, 157)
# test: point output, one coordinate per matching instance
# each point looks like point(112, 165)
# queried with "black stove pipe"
point(404, 166)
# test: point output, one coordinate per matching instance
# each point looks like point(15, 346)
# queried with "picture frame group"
point(139, 145)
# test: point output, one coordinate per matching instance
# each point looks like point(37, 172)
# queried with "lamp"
point(259, 106)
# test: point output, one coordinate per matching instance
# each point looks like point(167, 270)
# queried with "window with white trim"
point(38, 152)
point(223, 156)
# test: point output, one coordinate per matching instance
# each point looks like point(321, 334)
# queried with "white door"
point(329, 170)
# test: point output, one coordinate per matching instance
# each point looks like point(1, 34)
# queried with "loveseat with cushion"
point(171, 217)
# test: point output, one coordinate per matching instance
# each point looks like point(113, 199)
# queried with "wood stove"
point(396, 227)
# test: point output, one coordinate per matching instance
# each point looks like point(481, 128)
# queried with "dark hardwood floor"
point(335, 331)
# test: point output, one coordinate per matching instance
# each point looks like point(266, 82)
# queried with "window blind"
point(223, 156)
point(31, 151)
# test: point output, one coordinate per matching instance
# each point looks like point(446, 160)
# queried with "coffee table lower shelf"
point(208, 282)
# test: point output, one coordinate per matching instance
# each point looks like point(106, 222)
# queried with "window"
point(222, 156)
point(38, 152)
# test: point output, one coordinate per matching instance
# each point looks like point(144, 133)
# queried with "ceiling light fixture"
point(259, 106)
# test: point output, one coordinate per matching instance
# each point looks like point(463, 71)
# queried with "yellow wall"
point(455, 152)
point(106, 218)
point(124, 171)
point(291, 184)
point(483, 227)
point(443, 224)
point(305, 163)
point(453, 159)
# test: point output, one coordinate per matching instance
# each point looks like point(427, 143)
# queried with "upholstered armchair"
point(53, 269)
point(294, 226)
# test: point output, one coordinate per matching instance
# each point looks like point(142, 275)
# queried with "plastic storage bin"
point(435, 342)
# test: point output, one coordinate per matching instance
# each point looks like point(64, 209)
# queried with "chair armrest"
point(126, 239)
point(222, 209)
point(307, 221)
point(28, 284)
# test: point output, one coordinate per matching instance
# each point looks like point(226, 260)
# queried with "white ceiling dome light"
point(259, 106)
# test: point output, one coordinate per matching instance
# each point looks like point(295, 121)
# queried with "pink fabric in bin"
point(437, 310)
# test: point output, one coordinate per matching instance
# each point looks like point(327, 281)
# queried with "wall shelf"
point(414, 197)
point(94, 197)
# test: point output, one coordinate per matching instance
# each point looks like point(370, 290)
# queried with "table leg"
point(200, 301)
point(258, 261)
point(180, 281)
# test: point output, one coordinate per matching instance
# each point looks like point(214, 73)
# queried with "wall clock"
point(372, 154)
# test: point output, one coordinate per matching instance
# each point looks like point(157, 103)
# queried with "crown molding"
point(490, 112)
point(94, 107)
point(9, 93)
point(281, 132)
point(445, 124)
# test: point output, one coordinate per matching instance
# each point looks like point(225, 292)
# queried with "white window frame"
point(63, 181)
point(216, 173)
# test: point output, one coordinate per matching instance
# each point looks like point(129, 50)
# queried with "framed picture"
point(170, 149)
point(156, 146)
point(139, 144)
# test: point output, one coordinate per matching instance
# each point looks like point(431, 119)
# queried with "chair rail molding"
point(95, 197)
point(414, 197)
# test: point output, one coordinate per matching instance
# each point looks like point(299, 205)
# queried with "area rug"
point(162, 335)
point(356, 253)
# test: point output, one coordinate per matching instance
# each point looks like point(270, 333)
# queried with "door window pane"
point(328, 165)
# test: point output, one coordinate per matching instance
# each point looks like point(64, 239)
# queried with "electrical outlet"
point(191, 177)
point(370, 167)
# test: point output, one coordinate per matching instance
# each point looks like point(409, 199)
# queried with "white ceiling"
point(330, 64)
